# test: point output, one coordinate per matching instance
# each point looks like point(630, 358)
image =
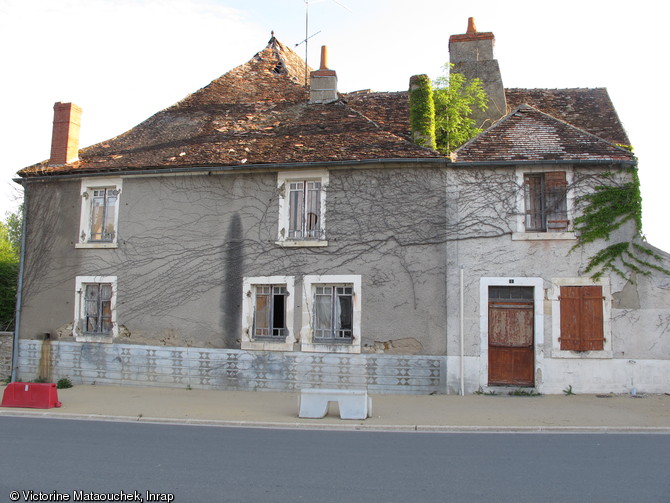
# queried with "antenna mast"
point(306, 36)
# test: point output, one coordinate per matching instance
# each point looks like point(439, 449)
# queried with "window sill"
point(542, 236)
point(582, 355)
point(106, 338)
point(330, 348)
point(96, 245)
point(268, 345)
point(301, 244)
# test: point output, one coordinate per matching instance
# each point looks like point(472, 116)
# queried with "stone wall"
point(207, 368)
point(6, 339)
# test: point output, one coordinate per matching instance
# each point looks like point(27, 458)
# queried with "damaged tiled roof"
point(388, 109)
point(258, 113)
point(527, 134)
point(588, 109)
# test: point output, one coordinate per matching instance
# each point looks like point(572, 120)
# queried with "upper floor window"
point(99, 213)
point(302, 208)
point(103, 214)
point(545, 202)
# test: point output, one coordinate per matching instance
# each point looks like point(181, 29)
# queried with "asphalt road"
point(83, 460)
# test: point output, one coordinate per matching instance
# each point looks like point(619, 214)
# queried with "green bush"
point(64, 383)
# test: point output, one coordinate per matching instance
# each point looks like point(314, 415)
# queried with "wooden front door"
point(511, 336)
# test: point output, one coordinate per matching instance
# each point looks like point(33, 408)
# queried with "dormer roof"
point(530, 135)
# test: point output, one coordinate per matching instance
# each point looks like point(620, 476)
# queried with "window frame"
point(284, 181)
point(309, 342)
point(88, 186)
point(554, 298)
point(250, 291)
point(525, 234)
point(81, 282)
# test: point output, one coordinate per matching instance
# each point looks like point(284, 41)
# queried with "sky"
point(124, 60)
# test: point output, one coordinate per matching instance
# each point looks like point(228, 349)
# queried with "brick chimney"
point(65, 136)
point(472, 55)
point(323, 82)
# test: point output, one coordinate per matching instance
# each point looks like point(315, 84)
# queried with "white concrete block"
point(353, 404)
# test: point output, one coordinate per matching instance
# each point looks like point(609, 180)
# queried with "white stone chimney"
point(472, 55)
point(323, 82)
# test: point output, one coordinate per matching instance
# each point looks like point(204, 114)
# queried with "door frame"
point(538, 322)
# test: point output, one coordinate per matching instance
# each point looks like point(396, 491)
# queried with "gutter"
point(239, 167)
point(492, 164)
point(19, 288)
point(441, 161)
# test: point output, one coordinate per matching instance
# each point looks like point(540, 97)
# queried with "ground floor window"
point(97, 315)
point(95, 308)
point(268, 313)
point(331, 313)
point(581, 318)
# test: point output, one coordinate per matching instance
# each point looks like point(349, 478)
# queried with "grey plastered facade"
point(186, 242)
point(180, 283)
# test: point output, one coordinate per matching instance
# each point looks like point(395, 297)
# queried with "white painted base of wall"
point(553, 375)
point(605, 376)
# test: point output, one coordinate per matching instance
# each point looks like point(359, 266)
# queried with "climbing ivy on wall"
point(604, 210)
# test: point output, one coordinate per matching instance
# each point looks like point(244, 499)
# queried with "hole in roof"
point(279, 69)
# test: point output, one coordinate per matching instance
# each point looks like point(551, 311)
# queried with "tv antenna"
point(308, 36)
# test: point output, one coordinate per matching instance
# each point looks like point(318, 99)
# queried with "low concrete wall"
point(6, 339)
point(180, 367)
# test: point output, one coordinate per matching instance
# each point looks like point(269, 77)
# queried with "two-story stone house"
point(264, 234)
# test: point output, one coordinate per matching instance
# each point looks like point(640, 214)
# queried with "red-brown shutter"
point(592, 318)
point(581, 318)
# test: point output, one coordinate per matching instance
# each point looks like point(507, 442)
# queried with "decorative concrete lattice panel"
point(124, 364)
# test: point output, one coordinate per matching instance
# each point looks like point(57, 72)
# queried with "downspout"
point(462, 310)
point(19, 287)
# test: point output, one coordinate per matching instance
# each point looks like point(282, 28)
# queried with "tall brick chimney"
point(65, 136)
point(323, 82)
point(472, 55)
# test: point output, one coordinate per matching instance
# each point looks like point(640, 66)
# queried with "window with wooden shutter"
point(581, 318)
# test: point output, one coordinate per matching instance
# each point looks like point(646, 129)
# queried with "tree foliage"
point(10, 239)
point(455, 97)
